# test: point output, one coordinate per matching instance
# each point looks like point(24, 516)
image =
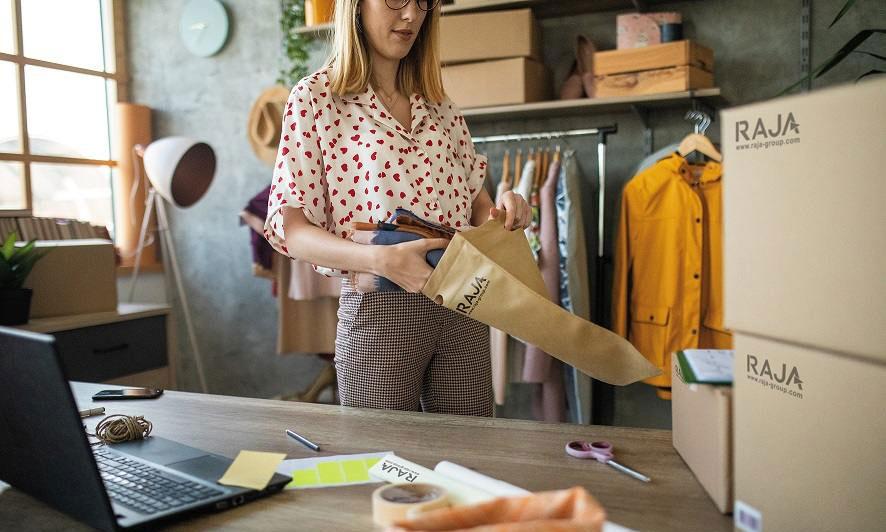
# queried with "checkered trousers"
point(401, 351)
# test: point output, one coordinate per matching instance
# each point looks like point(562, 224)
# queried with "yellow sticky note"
point(252, 469)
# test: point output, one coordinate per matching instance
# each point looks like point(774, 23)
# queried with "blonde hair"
point(350, 65)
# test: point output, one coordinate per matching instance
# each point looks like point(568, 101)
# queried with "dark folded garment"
point(403, 226)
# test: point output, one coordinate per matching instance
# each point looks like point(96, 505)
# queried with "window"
point(59, 85)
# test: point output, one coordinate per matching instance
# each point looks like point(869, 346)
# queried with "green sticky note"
point(355, 470)
point(330, 473)
point(304, 477)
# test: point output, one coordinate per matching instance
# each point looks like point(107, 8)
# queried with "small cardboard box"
point(804, 257)
point(636, 30)
point(75, 277)
point(501, 82)
point(702, 432)
point(492, 35)
point(674, 79)
point(672, 54)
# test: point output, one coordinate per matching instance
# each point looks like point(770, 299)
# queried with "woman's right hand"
point(406, 263)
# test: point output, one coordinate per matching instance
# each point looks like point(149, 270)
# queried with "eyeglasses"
point(425, 5)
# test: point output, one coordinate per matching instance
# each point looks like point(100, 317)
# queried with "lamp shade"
point(180, 169)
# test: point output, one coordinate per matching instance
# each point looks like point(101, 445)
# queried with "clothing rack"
point(581, 391)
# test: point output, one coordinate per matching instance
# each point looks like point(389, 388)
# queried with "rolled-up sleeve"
point(474, 163)
point(298, 178)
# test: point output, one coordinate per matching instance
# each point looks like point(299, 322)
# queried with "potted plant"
point(16, 263)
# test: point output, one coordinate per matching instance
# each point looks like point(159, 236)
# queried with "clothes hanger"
point(697, 141)
point(506, 168)
point(545, 164)
point(518, 168)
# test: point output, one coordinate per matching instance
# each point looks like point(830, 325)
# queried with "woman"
point(370, 132)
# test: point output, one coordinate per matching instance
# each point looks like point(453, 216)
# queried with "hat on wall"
point(265, 120)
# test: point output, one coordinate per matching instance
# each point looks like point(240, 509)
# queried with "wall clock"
point(204, 27)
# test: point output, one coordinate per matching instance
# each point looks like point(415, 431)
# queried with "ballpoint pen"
point(92, 412)
point(302, 440)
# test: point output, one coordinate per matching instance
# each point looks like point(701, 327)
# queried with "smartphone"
point(128, 393)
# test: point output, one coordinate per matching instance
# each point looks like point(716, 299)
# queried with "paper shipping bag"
point(489, 274)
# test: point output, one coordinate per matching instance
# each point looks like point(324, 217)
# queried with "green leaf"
point(9, 245)
point(17, 253)
point(872, 54)
point(6, 274)
point(869, 73)
point(842, 12)
point(847, 48)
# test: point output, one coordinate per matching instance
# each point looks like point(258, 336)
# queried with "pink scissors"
point(601, 451)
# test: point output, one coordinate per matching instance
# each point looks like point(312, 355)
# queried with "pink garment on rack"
point(550, 401)
point(305, 284)
point(498, 340)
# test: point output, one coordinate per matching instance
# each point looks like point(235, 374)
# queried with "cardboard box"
point(804, 259)
point(702, 432)
point(636, 30)
point(672, 54)
point(491, 35)
point(75, 277)
point(674, 79)
point(501, 82)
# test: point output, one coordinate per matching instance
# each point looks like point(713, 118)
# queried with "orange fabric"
point(572, 510)
point(668, 285)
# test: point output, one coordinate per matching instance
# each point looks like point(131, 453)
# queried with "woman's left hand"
point(518, 214)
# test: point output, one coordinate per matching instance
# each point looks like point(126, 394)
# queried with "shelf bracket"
point(805, 42)
point(648, 141)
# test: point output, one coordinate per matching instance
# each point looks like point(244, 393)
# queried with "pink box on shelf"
point(636, 30)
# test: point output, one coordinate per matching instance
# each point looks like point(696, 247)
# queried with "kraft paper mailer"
point(489, 274)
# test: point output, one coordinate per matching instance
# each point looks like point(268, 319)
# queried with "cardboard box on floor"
point(805, 250)
point(500, 82)
point(702, 432)
point(491, 35)
point(75, 277)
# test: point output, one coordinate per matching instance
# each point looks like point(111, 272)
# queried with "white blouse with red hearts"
point(345, 159)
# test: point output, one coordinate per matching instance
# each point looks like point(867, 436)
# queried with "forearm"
point(315, 245)
point(480, 208)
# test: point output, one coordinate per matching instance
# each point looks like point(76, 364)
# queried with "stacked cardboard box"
point(805, 252)
point(35, 228)
point(493, 58)
point(669, 67)
point(78, 273)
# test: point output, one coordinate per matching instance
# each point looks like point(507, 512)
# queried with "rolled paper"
point(393, 468)
point(488, 274)
point(496, 487)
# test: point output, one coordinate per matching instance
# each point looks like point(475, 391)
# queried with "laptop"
point(44, 451)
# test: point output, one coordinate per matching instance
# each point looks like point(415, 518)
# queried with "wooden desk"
point(525, 453)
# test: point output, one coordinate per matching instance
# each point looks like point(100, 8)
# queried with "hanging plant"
point(295, 44)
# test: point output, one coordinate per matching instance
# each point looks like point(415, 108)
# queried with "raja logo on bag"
point(472, 297)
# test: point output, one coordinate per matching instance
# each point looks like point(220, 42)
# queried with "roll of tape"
point(396, 502)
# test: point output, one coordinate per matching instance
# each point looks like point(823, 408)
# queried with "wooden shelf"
point(587, 106)
point(541, 8)
point(125, 311)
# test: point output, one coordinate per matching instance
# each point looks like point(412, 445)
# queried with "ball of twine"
point(119, 428)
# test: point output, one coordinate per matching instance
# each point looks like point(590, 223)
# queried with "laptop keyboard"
point(147, 489)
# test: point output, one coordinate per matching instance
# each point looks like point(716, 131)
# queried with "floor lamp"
point(179, 171)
